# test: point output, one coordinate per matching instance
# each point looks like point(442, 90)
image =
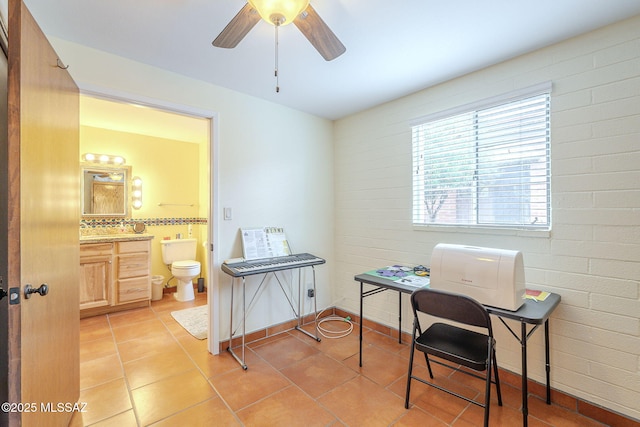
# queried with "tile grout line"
point(124, 374)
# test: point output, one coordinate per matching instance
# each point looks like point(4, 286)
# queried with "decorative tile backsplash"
point(128, 222)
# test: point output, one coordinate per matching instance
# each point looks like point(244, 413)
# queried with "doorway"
point(149, 132)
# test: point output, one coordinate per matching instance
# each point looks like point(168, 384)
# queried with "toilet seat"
point(185, 264)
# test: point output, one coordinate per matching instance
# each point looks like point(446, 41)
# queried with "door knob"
point(42, 290)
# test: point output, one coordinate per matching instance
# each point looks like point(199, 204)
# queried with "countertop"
point(105, 238)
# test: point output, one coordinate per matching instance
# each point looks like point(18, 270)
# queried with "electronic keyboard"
point(267, 265)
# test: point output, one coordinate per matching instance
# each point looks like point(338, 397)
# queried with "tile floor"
point(141, 368)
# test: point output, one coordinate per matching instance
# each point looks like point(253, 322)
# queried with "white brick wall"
point(592, 255)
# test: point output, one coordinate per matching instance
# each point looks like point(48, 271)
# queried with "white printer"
point(493, 277)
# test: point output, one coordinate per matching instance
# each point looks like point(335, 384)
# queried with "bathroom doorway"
point(173, 149)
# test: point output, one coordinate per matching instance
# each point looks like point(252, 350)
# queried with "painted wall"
point(592, 255)
point(158, 162)
point(268, 178)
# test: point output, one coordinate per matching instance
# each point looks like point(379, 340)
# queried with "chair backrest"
point(448, 305)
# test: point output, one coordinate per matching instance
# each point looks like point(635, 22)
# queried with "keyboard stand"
point(298, 313)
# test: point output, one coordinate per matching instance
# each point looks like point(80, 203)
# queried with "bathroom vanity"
point(115, 273)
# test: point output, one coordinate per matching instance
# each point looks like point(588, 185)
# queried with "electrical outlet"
point(311, 293)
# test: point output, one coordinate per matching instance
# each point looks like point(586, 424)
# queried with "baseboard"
point(572, 403)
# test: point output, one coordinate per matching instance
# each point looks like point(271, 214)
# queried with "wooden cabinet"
point(95, 274)
point(134, 271)
point(114, 276)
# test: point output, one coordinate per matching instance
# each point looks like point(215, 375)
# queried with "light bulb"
point(279, 12)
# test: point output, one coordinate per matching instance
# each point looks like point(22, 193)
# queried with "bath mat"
point(194, 320)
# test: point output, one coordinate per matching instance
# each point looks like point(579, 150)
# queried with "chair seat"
point(458, 345)
point(455, 344)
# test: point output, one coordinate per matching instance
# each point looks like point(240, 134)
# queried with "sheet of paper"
point(264, 242)
point(417, 281)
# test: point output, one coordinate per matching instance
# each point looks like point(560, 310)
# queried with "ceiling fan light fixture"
point(279, 12)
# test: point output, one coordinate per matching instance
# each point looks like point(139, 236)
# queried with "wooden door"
point(4, 301)
point(43, 212)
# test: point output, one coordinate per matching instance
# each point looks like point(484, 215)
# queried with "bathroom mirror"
point(105, 191)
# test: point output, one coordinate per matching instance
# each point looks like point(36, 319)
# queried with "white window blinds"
point(486, 166)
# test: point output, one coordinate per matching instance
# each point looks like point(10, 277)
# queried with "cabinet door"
point(133, 265)
point(95, 281)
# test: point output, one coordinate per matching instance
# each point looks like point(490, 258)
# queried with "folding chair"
point(454, 343)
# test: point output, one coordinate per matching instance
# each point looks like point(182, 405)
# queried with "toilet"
point(180, 254)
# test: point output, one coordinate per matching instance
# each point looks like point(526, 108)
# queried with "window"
point(485, 165)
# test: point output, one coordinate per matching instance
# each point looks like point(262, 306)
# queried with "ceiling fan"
point(279, 13)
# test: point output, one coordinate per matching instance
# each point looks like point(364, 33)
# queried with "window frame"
point(420, 218)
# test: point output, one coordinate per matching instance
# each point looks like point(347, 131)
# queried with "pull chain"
point(276, 63)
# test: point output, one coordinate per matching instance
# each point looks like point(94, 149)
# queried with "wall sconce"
point(136, 192)
point(106, 159)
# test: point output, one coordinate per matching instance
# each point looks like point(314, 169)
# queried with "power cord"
point(331, 334)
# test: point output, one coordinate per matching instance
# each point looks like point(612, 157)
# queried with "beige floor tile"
point(288, 407)
point(99, 371)
point(380, 366)
point(129, 317)
point(318, 374)
point(283, 352)
point(557, 416)
point(153, 368)
point(340, 348)
point(213, 412)
point(140, 329)
point(190, 343)
point(219, 364)
point(105, 401)
point(147, 346)
point(416, 417)
point(241, 388)
point(438, 403)
point(361, 402)
point(98, 348)
point(125, 419)
point(94, 328)
point(158, 400)
point(384, 342)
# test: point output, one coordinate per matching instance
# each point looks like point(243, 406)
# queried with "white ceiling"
point(393, 47)
point(143, 120)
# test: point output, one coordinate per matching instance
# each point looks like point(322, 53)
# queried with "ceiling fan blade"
point(237, 28)
point(319, 34)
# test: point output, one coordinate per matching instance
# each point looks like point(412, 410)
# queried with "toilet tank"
point(178, 250)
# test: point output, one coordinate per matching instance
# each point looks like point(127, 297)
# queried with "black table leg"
point(525, 391)
point(361, 299)
point(399, 317)
point(546, 355)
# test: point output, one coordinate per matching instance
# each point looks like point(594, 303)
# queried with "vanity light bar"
point(136, 192)
point(103, 159)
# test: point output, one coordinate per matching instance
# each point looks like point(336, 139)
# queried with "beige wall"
point(592, 255)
